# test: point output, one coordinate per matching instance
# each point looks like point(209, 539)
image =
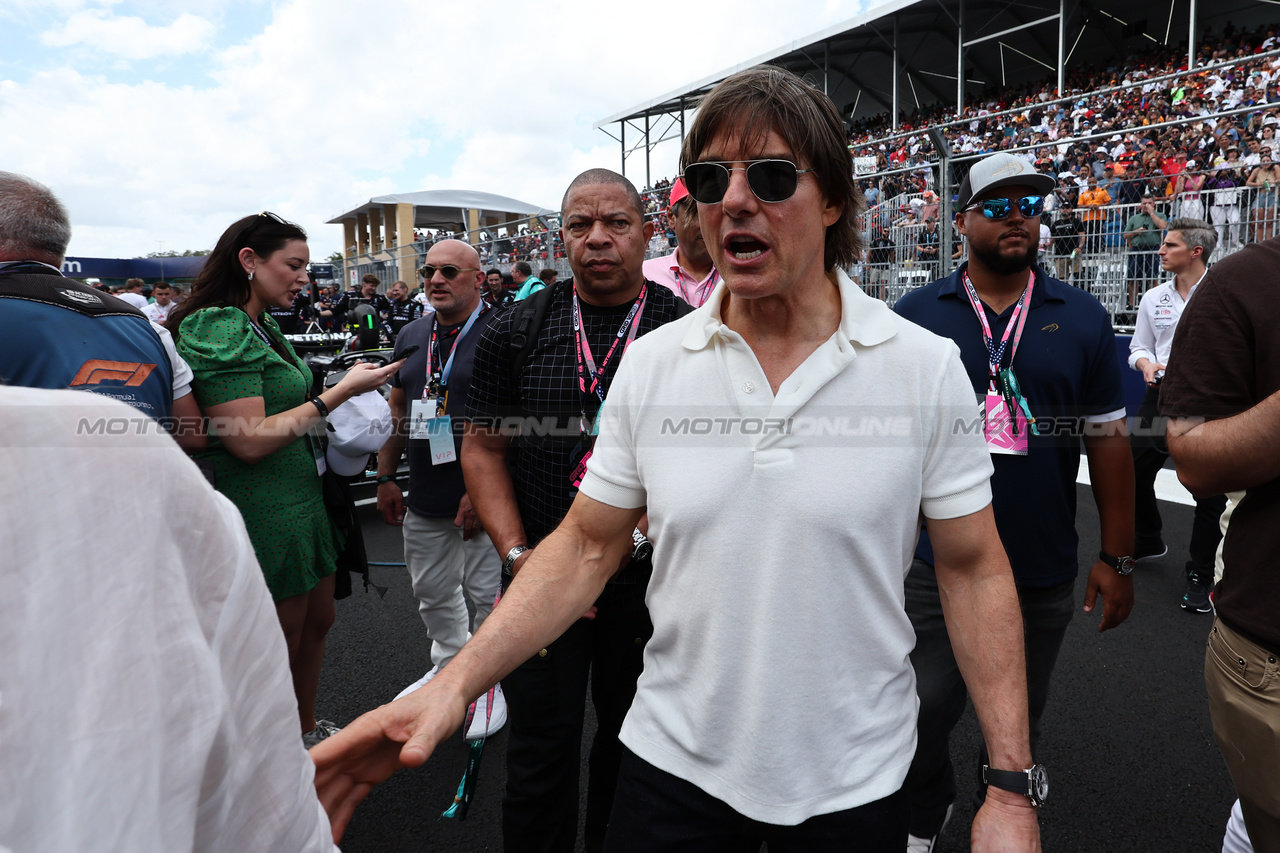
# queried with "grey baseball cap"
point(1001, 170)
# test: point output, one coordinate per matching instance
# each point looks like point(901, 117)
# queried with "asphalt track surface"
point(1127, 739)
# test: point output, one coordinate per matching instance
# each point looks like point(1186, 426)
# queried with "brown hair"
point(222, 280)
point(765, 98)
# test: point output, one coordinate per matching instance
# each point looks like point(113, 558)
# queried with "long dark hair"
point(222, 281)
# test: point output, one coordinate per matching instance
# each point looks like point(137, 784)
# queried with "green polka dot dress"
point(280, 496)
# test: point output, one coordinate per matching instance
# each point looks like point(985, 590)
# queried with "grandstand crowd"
point(542, 579)
point(1224, 169)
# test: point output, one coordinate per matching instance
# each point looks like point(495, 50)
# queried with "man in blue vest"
point(60, 333)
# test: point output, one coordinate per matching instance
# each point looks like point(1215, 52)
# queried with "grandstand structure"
point(926, 88)
point(903, 56)
point(389, 235)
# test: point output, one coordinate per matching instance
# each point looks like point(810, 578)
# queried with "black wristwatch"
point(1123, 565)
point(1032, 783)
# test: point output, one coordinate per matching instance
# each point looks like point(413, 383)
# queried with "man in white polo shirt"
point(786, 439)
point(1185, 250)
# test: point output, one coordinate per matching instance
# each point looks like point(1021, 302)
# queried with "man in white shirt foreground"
point(1186, 248)
point(776, 538)
point(146, 699)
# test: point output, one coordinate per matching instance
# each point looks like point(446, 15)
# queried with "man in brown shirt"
point(1222, 390)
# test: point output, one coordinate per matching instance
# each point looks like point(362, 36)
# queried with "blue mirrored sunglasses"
point(1000, 208)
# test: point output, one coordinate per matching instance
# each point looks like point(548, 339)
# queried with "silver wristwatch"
point(509, 563)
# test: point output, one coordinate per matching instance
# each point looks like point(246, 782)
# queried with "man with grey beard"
point(1042, 359)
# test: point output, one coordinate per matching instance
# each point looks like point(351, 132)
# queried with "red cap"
point(679, 192)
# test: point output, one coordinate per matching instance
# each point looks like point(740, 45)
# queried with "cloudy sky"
point(159, 122)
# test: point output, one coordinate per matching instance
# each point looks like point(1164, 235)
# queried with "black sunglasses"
point(771, 180)
point(999, 208)
point(258, 220)
point(449, 271)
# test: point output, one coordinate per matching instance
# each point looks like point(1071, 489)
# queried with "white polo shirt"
point(145, 697)
point(1158, 314)
point(778, 677)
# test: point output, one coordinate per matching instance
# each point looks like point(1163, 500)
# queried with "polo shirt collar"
point(863, 320)
point(1047, 289)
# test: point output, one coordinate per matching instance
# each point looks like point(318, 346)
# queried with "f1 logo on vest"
point(96, 371)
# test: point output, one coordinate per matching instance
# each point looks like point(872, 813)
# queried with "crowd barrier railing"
point(868, 144)
point(1114, 269)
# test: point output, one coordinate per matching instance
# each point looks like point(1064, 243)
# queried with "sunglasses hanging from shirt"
point(771, 180)
point(1006, 417)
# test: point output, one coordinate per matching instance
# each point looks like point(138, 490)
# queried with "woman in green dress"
point(256, 393)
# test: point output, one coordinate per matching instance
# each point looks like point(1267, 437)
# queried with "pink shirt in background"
point(667, 271)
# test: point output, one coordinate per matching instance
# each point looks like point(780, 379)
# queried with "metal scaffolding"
point(942, 54)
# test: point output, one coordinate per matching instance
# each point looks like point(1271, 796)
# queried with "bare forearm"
point(558, 582)
point(253, 439)
point(493, 495)
point(985, 625)
point(980, 604)
point(1234, 453)
point(1111, 475)
point(391, 452)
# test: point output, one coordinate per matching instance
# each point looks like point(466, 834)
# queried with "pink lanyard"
point(995, 355)
point(690, 290)
point(586, 364)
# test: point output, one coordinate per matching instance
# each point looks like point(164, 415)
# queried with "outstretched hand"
point(377, 744)
point(365, 376)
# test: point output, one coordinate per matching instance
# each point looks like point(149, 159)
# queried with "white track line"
point(1167, 486)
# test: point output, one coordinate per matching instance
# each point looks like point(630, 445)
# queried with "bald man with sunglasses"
point(449, 556)
point(773, 543)
point(1042, 361)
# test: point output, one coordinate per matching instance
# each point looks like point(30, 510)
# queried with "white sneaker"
point(916, 844)
point(483, 722)
point(420, 682)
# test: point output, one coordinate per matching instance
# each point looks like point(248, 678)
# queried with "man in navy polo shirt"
point(448, 554)
point(1038, 349)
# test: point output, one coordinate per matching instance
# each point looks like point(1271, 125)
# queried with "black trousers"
point(1149, 455)
point(546, 700)
point(931, 785)
point(660, 813)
